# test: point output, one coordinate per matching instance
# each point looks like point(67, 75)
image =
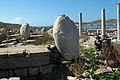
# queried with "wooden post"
point(118, 21)
point(80, 24)
point(103, 28)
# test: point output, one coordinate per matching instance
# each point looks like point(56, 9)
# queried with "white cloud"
point(18, 20)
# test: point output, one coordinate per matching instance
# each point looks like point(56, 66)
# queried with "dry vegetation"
point(112, 55)
point(84, 38)
point(45, 39)
point(77, 68)
point(112, 58)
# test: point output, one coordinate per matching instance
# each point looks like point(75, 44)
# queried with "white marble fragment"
point(3, 31)
point(66, 36)
point(14, 78)
point(25, 30)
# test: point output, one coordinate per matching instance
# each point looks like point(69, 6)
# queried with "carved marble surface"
point(66, 36)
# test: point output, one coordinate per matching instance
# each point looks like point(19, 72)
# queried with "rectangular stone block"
point(21, 72)
point(16, 55)
point(11, 73)
point(4, 56)
point(14, 78)
point(34, 71)
point(3, 74)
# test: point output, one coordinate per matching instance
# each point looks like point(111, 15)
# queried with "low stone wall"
point(22, 64)
point(44, 72)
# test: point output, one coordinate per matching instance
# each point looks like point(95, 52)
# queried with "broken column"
point(103, 25)
point(25, 30)
point(80, 24)
point(118, 21)
point(66, 36)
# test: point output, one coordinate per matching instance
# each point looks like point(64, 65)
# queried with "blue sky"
point(44, 12)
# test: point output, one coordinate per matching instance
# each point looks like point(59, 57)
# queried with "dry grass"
point(77, 68)
point(116, 51)
point(45, 39)
point(112, 56)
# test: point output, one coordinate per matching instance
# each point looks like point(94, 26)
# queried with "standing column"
point(80, 24)
point(97, 31)
point(103, 28)
point(118, 21)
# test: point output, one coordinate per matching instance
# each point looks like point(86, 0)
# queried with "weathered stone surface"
point(11, 73)
point(66, 36)
point(3, 74)
point(3, 31)
point(25, 30)
point(50, 31)
point(21, 72)
point(34, 71)
point(3, 34)
point(43, 30)
point(4, 79)
point(14, 78)
point(59, 72)
point(43, 69)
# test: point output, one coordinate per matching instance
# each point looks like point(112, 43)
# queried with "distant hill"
point(10, 26)
point(92, 23)
point(98, 22)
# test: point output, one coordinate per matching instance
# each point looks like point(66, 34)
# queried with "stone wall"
point(22, 64)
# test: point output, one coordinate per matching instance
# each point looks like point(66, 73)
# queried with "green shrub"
point(113, 75)
point(93, 62)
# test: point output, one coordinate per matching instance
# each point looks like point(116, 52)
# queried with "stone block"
point(34, 71)
point(21, 72)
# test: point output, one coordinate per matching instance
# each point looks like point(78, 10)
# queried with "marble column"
point(118, 21)
point(80, 24)
point(103, 25)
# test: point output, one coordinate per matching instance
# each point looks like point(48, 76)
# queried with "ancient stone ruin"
point(44, 64)
point(25, 30)
point(66, 36)
point(3, 34)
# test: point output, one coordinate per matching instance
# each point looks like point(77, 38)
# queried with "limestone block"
point(21, 72)
point(46, 69)
point(34, 71)
point(3, 73)
point(66, 36)
point(4, 79)
point(43, 70)
point(14, 78)
point(11, 73)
